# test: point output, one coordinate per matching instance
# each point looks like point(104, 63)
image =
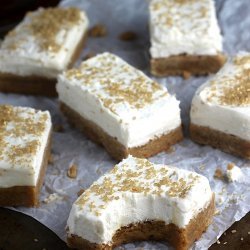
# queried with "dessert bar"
point(119, 107)
point(220, 110)
point(44, 44)
point(139, 200)
point(25, 138)
point(185, 38)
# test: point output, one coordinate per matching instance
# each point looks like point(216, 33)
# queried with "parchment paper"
point(70, 146)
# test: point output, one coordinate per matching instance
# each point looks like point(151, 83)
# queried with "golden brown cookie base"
point(225, 142)
point(115, 148)
point(35, 85)
point(180, 238)
point(186, 65)
point(27, 196)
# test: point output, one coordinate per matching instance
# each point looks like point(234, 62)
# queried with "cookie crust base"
point(225, 142)
point(115, 148)
point(27, 196)
point(186, 65)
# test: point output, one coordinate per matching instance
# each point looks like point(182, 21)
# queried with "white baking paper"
point(70, 146)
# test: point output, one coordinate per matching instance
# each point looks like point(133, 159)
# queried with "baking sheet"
point(70, 146)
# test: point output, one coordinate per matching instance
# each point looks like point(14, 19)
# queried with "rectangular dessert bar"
point(139, 200)
point(185, 38)
point(44, 44)
point(25, 136)
point(119, 107)
point(220, 110)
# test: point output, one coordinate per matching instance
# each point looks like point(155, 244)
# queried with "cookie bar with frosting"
point(25, 136)
point(45, 43)
point(119, 107)
point(139, 200)
point(185, 37)
point(220, 111)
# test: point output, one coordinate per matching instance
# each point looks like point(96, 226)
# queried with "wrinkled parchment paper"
point(71, 147)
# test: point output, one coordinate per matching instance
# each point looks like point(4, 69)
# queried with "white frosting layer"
point(21, 54)
point(179, 27)
point(211, 105)
point(137, 191)
point(22, 144)
point(121, 100)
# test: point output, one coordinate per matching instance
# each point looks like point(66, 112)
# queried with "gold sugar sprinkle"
point(137, 180)
point(233, 89)
point(16, 123)
point(46, 24)
point(187, 11)
point(238, 93)
point(135, 89)
point(242, 60)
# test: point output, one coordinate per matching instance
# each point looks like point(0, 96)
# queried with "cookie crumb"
point(128, 36)
point(218, 174)
point(230, 166)
point(58, 128)
point(80, 192)
point(51, 159)
point(220, 200)
point(99, 30)
point(202, 167)
point(186, 75)
point(170, 150)
point(52, 197)
point(217, 212)
point(72, 171)
point(233, 231)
